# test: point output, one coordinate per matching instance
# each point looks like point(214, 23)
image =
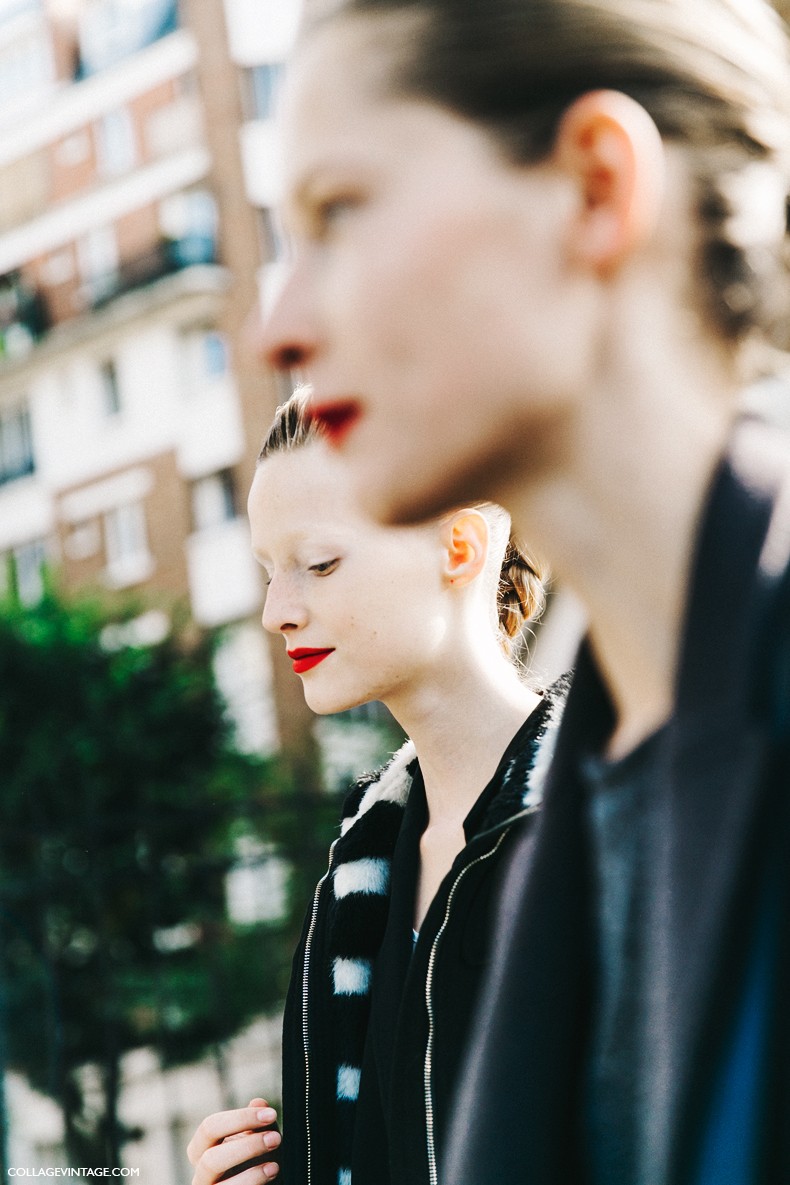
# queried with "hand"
point(233, 1144)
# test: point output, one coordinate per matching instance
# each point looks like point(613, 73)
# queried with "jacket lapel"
point(714, 816)
point(521, 1076)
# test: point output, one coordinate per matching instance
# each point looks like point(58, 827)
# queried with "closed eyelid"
point(338, 202)
point(316, 202)
point(325, 216)
point(324, 567)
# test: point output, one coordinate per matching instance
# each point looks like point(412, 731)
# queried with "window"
point(189, 221)
point(111, 30)
point(263, 84)
point(213, 500)
point(29, 562)
point(26, 66)
point(22, 572)
point(116, 144)
point(126, 540)
point(214, 352)
point(206, 358)
point(16, 444)
point(97, 253)
point(110, 388)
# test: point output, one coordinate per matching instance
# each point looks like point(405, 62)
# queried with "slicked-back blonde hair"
point(520, 586)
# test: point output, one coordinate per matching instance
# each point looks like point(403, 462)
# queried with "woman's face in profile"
point(431, 300)
point(361, 608)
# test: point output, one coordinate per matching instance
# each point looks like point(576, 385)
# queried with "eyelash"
point(325, 568)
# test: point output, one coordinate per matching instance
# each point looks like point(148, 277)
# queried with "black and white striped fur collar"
point(526, 773)
point(357, 894)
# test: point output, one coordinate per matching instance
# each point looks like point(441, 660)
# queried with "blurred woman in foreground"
point(536, 242)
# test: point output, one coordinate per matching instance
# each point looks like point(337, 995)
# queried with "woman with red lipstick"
point(396, 940)
point(538, 245)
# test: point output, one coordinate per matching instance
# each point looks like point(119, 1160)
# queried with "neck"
point(461, 720)
point(619, 527)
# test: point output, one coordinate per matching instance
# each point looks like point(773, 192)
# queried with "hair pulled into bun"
point(521, 592)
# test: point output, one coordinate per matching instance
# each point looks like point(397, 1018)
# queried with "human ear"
point(610, 145)
point(465, 541)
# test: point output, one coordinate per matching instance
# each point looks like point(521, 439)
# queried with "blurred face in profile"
point(431, 301)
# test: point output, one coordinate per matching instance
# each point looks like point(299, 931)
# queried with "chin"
point(331, 705)
point(322, 706)
point(409, 499)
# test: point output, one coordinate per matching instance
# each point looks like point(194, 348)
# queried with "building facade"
point(137, 172)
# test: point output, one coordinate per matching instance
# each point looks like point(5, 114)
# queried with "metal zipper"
point(429, 1118)
point(305, 1035)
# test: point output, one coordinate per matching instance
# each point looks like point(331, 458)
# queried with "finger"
point(269, 1170)
point(256, 1175)
point(222, 1124)
point(223, 1161)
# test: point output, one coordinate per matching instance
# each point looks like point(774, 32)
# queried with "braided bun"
point(521, 591)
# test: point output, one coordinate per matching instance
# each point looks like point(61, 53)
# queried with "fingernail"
point(271, 1139)
point(267, 1115)
point(270, 1170)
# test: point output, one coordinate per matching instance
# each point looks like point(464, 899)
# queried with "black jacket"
point(366, 1093)
point(725, 824)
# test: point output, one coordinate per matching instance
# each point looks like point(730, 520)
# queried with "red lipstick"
point(305, 659)
point(336, 419)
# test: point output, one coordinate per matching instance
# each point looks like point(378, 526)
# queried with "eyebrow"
point(298, 538)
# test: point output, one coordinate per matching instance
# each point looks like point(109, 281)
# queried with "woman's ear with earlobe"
point(609, 144)
point(465, 538)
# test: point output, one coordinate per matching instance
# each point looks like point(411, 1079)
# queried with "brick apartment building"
point(136, 177)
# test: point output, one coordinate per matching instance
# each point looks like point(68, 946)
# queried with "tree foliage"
point(121, 805)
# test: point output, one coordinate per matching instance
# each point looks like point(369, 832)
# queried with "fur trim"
point(351, 977)
point(547, 742)
point(371, 874)
point(348, 1078)
point(353, 912)
point(391, 785)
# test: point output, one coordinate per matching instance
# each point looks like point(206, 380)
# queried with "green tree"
point(122, 803)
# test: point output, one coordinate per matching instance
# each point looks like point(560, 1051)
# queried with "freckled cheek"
point(372, 645)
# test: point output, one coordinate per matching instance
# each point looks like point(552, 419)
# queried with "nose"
point(288, 338)
point(283, 609)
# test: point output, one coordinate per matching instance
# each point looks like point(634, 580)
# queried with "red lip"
point(337, 419)
point(304, 659)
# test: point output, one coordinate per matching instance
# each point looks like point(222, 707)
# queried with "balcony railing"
point(23, 317)
point(165, 258)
